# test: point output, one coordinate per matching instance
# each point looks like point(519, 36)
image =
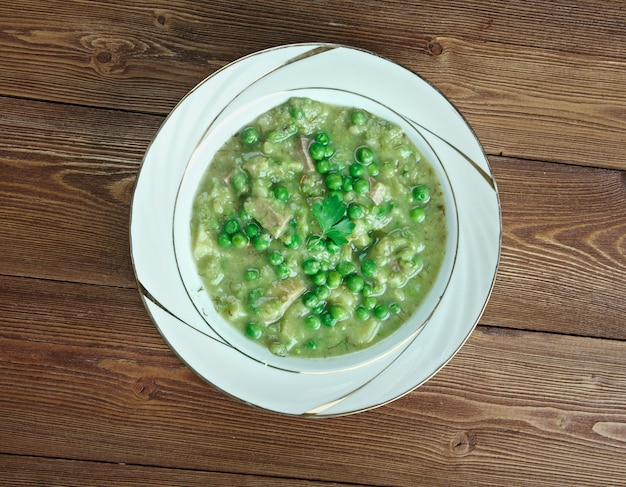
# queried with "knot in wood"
point(161, 17)
point(435, 48)
point(110, 56)
point(145, 388)
point(463, 443)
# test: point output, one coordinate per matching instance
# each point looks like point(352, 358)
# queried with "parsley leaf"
point(330, 214)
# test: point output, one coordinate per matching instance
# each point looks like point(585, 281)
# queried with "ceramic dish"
point(159, 230)
point(228, 122)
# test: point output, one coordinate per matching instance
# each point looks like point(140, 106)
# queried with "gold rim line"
point(406, 343)
point(150, 297)
point(486, 176)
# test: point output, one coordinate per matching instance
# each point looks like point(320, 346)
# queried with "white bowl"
point(168, 278)
point(240, 113)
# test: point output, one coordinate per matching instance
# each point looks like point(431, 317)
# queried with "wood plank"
point(66, 180)
point(535, 103)
point(85, 376)
point(563, 264)
point(20, 471)
point(548, 72)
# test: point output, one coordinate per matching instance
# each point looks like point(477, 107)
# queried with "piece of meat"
point(273, 219)
point(279, 298)
point(379, 193)
point(305, 156)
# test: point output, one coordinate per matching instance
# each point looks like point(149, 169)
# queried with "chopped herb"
point(331, 215)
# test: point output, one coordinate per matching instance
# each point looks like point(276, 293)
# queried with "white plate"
point(313, 67)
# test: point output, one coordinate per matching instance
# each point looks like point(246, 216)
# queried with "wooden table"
point(90, 394)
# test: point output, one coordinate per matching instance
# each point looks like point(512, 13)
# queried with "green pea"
point(385, 209)
point(369, 302)
point(311, 344)
point(310, 266)
point(275, 258)
point(281, 193)
point(345, 268)
point(368, 267)
point(355, 211)
point(252, 274)
point(381, 312)
point(356, 170)
point(293, 241)
point(231, 226)
point(312, 322)
point(373, 169)
point(317, 151)
point(240, 240)
point(320, 278)
point(418, 214)
point(296, 113)
point(239, 181)
point(254, 330)
point(322, 292)
point(334, 180)
point(261, 242)
point(358, 117)
point(338, 312)
point(368, 290)
point(364, 155)
point(333, 280)
point(362, 186)
point(252, 230)
point(327, 319)
point(322, 166)
point(322, 137)
point(328, 153)
point(395, 308)
point(250, 136)
point(254, 295)
point(282, 271)
point(361, 313)
point(347, 185)
point(355, 283)
point(335, 193)
point(310, 299)
point(332, 247)
point(224, 240)
point(316, 310)
point(421, 194)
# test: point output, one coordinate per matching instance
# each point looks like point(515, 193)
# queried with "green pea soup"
point(318, 229)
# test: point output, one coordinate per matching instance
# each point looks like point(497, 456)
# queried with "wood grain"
point(563, 264)
point(515, 72)
point(529, 103)
point(90, 393)
point(19, 471)
point(66, 180)
point(85, 376)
